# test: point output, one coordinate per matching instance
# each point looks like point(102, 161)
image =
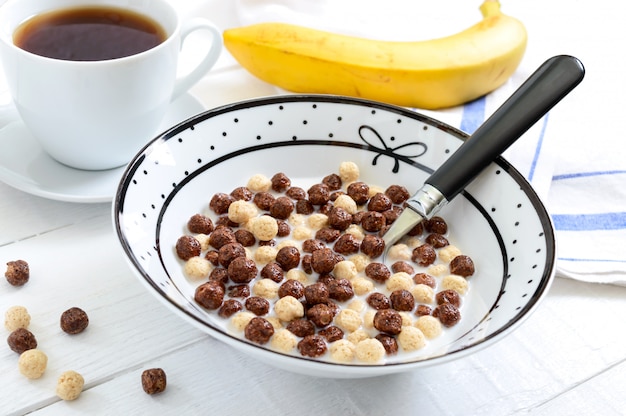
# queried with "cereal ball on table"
point(16, 317)
point(153, 380)
point(21, 340)
point(17, 273)
point(74, 321)
point(70, 385)
point(32, 363)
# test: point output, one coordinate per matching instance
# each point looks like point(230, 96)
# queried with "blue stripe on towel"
point(587, 174)
point(473, 115)
point(590, 222)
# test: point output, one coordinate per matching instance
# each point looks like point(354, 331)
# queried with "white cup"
point(97, 115)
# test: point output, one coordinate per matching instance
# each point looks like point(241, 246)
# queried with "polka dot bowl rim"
point(498, 220)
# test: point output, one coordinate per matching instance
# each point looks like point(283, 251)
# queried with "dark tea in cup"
point(89, 33)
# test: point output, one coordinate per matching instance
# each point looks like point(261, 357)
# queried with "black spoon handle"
point(552, 81)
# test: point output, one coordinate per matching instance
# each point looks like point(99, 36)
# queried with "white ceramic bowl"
point(498, 220)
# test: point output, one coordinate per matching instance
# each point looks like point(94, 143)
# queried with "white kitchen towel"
point(570, 156)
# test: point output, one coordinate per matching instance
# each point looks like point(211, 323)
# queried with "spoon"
point(550, 83)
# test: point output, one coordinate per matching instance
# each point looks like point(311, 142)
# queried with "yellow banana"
point(427, 74)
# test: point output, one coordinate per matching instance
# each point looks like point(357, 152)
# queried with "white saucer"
point(25, 166)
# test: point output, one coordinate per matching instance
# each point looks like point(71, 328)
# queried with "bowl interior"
point(498, 220)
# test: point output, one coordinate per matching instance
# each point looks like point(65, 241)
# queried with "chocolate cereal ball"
point(200, 224)
point(462, 265)
point(448, 296)
point(282, 208)
point(388, 321)
point(437, 240)
point(373, 221)
point(402, 300)
point(447, 313)
point(389, 343)
point(340, 290)
point(324, 260)
point(210, 295)
point(220, 236)
point(372, 246)
point(21, 340)
point(301, 327)
point(424, 255)
point(241, 193)
point(331, 333)
point(228, 252)
point(333, 181)
point(257, 305)
point(339, 218)
point(220, 203)
point(378, 301)
point(312, 346)
point(347, 244)
point(153, 381)
point(242, 270)
point(436, 225)
point(316, 293)
point(273, 271)
point(320, 314)
point(229, 308)
point(17, 273)
point(379, 203)
point(424, 279)
point(378, 272)
point(74, 321)
point(359, 191)
point(291, 288)
point(397, 194)
point(187, 247)
point(280, 182)
point(259, 330)
point(288, 258)
point(319, 194)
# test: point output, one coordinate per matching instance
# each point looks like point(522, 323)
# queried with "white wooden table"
point(568, 358)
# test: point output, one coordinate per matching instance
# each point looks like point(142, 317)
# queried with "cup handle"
point(184, 83)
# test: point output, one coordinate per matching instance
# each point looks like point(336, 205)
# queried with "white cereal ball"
point(429, 325)
point(348, 320)
point(398, 281)
point(301, 232)
point(345, 269)
point(356, 305)
point(454, 282)
point(16, 317)
point(197, 268)
point(259, 183)
point(317, 221)
point(399, 252)
point(357, 336)
point(70, 385)
point(370, 350)
point(437, 269)
point(284, 340)
point(423, 293)
point(362, 286)
point(356, 231)
point(349, 172)
point(407, 319)
point(203, 239)
point(360, 261)
point(447, 253)
point(288, 308)
point(264, 227)
point(241, 211)
point(342, 350)
point(266, 288)
point(297, 274)
point(347, 203)
point(32, 363)
point(368, 319)
point(411, 338)
point(265, 254)
point(241, 319)
point(296, 219)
